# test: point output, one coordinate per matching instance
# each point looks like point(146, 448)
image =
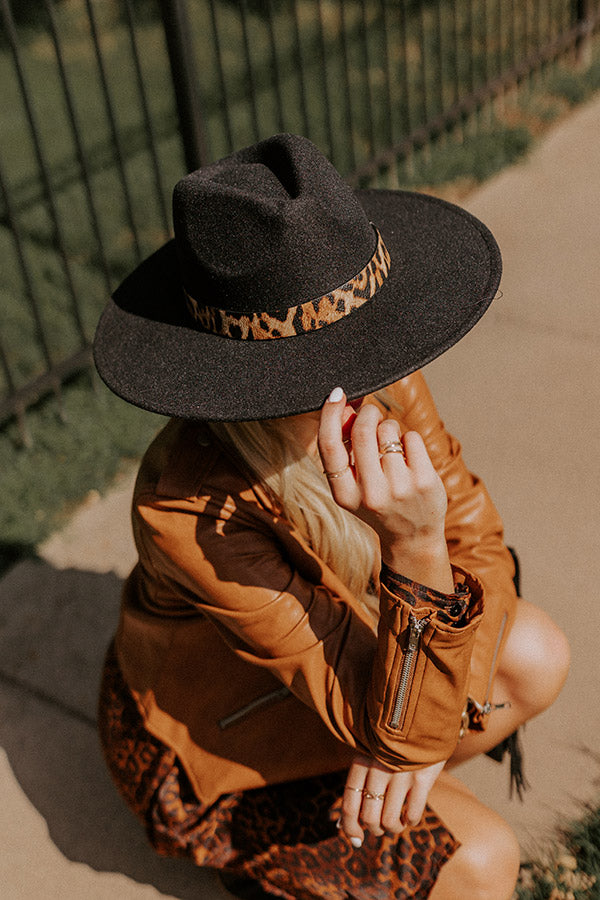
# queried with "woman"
point(323, 620)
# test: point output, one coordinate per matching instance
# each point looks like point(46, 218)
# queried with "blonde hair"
point(345, 543)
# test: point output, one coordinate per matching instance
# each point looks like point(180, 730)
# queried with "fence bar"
point(584, 11)
point(17, 409)
point(347, 86)
point(513, 32)
point(276, 75)
point(423, 42)
point(221, 76)
point(85, 173)
point(500, 38)
point(306, 129)
point(43, 167)
point(486, 41)
point(249, 69)
point(152, 146)
point(27, 282)
point(439, 40)
point(324, 85)
point(456, 54)
point(385, 30)
point(14, 403)
point(177, 26)
point(367, 69)
point(471, 45)
point(116, 138)
point(406, 87)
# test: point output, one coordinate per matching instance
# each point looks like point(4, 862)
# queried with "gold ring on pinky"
point(356, 790)
point(337, 474)
point(369, 796)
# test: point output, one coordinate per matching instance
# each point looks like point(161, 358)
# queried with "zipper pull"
point(489, 707)
point(417, 627)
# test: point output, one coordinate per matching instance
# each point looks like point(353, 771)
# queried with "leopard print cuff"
point(452, 607)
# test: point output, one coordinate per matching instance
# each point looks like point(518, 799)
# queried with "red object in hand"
point(347, 426)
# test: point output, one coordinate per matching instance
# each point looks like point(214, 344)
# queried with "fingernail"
point(356, 842)
point(336, 395)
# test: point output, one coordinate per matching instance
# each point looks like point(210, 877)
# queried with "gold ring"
point(356, 790)
point(337, 474)
point(369, 796)
point(392, 447)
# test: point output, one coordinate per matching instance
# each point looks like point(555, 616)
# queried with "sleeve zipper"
point(415, 630)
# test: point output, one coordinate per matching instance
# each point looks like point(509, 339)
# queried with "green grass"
point(570, 870)
point(97, 436)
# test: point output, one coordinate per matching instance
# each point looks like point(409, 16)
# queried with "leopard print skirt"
point(282, 836)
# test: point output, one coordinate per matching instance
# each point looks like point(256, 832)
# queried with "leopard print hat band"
point(308, 316)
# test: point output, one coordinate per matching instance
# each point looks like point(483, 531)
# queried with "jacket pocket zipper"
point(278, 694)
point(415, 630)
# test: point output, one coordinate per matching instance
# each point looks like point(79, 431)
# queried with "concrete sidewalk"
point(522, 391)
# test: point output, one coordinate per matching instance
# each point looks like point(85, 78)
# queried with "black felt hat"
point(282, 283)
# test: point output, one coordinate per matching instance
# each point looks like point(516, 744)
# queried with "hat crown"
point(268, 227)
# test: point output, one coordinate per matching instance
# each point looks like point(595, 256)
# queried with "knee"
point(536, 661)
point(490, 862)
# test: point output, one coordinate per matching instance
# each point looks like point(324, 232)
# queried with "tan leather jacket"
point(246, 653)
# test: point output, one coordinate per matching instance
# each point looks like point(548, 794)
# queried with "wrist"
point(427, 565)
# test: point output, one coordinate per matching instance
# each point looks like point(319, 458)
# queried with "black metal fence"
point(107, 102)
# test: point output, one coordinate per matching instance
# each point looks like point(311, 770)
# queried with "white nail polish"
point(336, 395)
point(356, 842)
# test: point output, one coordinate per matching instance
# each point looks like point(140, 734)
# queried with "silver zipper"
point(278, 694)
point(415, 630)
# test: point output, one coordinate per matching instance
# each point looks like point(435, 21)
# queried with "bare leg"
point(486, 865)
point(532, 671)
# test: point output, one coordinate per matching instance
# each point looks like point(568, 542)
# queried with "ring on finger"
point(369, 795)
point(336, 474)
point(392, 447)
point(356, 790)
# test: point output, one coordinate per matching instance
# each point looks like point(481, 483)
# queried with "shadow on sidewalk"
point(54, 629)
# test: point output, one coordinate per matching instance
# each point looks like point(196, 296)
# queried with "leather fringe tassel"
point(512, 746)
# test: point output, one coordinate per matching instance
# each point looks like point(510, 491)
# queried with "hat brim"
point(445, 271)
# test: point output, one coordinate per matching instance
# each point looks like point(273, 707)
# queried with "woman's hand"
point(398, 492)
point(381, 801)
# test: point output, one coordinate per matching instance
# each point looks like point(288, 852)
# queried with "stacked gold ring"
point(368, 795)
point(392, 447)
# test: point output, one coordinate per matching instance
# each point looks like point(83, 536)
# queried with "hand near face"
point(390, 483)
